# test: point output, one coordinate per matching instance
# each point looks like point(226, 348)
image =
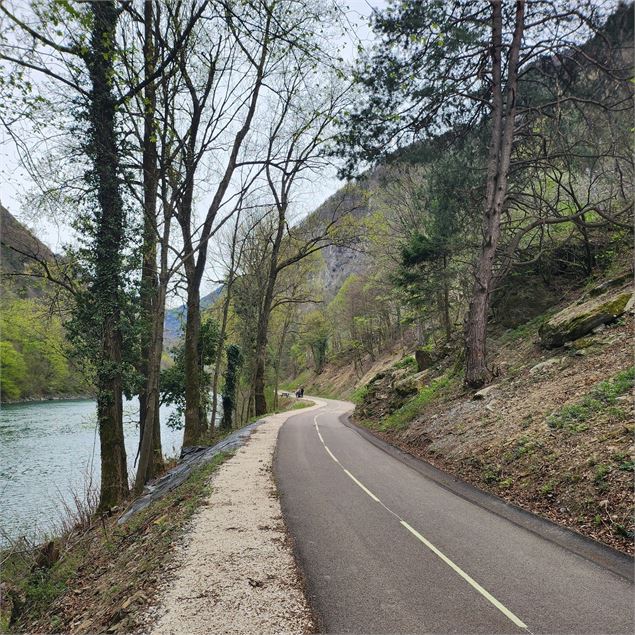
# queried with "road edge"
point(599, 554)
point(297, 557)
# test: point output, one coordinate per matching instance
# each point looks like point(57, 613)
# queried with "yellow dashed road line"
point(475, 585)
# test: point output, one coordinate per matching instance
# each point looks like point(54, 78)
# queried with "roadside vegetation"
point(554, 434)
point(482, 241)
point(96, 576)
point(601, 402)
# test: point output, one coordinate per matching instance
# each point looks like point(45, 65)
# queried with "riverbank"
point(98, 576)
point(50, 459)
point(47, 398)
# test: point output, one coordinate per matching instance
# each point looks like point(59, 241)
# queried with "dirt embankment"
point(553, 434)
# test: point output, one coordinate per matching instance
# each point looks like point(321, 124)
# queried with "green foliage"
point(13, 371)
point(575, 417)
point(402, 417)
point(601, 472)
point(527, 330)
point(547, 488)
point(359, 394)
point(408, 80)
point(34, 353)
point(315, 337)
point(409, 363)
point(490, 474)
point(299, 405)
point(436, 213)
point(172, 379)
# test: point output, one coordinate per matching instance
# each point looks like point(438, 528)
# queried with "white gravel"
point(234, 570)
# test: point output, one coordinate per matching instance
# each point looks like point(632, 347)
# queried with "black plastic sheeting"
point(191, 458)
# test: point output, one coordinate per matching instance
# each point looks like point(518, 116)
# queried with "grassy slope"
point(105, 571)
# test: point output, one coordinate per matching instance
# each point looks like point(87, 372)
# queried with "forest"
point(485, 153)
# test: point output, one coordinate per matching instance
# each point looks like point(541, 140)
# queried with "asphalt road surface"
point(385, 548)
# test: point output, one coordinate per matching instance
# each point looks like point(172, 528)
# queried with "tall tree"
point(230, 78)
point(107, 284)
point(78, 49)
point(221, 77)
point(463, 65)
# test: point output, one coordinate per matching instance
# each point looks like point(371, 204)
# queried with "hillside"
point(18, 249)
point(35, 353)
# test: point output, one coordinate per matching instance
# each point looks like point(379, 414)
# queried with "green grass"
point(412, 408)
point(291, 385)
point(408, 362)
point(526, 330)
point(547, 488)
point(601, 472)
point(601, 400)
point(359, 394)
point(307, 378)
point(298, 405)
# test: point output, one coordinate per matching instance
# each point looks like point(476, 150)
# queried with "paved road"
point(385, 549)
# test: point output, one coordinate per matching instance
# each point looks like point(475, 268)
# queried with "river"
point(50, 450)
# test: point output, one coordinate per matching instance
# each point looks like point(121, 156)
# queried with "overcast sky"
point(15, 182)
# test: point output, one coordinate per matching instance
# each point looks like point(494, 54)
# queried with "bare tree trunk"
point(150, 302)
point(260, 400)
point(588, 252)
point(217, 364)
point(283, 337)
point(223, 329)
point(148, 459)
point(476, 372)
point(109, 244)
point(193, 429)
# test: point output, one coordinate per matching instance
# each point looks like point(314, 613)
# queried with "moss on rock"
point(576, 321)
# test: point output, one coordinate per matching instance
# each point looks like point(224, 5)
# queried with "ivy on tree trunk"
point(110, 225)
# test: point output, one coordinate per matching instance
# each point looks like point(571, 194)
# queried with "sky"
point(15, 183)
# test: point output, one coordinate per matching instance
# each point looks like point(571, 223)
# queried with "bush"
point(409, 411)
point(359, 394)
point(409, 363)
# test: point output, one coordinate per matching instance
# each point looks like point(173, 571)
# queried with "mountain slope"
point(175, 318)
point(19, 248)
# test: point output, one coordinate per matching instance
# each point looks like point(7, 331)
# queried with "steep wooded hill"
point(18, 248)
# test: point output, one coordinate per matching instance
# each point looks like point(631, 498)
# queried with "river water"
point(48, 451)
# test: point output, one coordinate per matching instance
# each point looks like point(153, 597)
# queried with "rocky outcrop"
point(390, 389)
point(578, 320)
point(424, 358)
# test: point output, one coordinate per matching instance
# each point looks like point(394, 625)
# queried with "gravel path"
point(235, 571)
